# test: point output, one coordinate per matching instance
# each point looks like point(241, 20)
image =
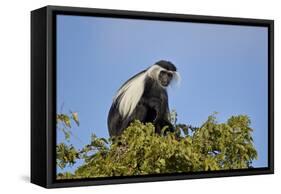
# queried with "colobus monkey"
point(143, 97)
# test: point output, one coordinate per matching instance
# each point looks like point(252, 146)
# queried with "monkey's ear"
point(176, 79)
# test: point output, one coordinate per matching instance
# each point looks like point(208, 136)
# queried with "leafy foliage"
point(64, 123)
point(66, 153)
point(140, 151)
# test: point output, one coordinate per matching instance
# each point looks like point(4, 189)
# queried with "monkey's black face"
point(165, 78)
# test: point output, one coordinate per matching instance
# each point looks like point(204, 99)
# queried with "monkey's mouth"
point(165, 84)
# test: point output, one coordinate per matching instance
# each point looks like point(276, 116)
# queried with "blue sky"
point(223, 69)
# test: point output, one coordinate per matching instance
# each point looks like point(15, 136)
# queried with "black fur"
point(167, 65)
point(153, 107)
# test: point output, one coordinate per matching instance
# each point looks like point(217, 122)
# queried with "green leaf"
point(139, 151)
point(75, 117)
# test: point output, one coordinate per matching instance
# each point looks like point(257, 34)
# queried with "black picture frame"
point(43, 94)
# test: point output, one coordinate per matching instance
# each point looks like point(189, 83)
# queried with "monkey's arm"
point(162, 114)
point(158, 105)
point(141, 112)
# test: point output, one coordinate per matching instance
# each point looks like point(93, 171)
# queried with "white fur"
point(130, 94)
point(154, 71)
point(176, 79)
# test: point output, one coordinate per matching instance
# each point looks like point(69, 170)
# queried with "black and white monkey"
point(143, 97)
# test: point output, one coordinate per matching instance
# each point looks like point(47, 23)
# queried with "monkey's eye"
point(163, 73)
point(170, 75)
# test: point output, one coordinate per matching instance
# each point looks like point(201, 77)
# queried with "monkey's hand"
point(160, 124)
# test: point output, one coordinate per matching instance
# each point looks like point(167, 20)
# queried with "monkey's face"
point(165, 78)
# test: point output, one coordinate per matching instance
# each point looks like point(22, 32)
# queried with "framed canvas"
point(126, 96)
